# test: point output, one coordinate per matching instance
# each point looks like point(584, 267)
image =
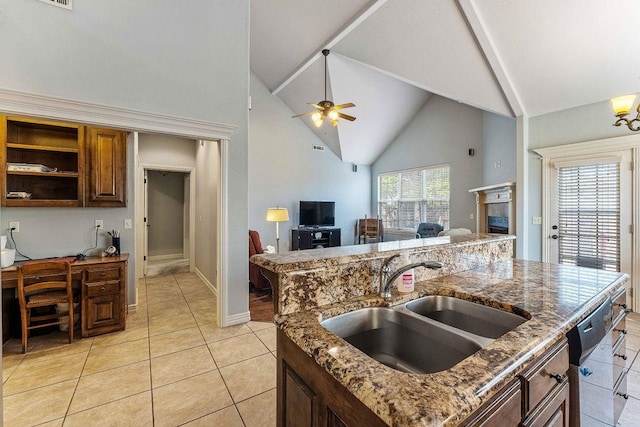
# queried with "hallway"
point(171, 366)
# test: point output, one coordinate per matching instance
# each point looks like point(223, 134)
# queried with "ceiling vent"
point(67, 4)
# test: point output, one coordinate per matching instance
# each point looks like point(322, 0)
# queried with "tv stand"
point(314, 238)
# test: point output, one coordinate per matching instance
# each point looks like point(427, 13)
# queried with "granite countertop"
point(554, 298)
point(301, 260)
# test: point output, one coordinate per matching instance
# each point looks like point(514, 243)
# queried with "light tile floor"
point(171, 366)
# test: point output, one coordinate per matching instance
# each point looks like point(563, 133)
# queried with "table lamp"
point(277, 215)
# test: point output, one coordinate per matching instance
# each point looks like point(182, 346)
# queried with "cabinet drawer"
point(542, 377)
point(103, 274)
point(102, 288)
point(619, 303)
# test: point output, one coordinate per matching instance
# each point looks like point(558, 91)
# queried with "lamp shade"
point(277, 214)
point(622, 104)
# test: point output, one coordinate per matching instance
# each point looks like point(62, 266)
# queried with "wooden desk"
point(103, 285)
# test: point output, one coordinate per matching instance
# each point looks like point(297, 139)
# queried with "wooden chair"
point(370, 230)
point(46, 290)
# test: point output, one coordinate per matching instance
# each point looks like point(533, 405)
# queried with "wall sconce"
point(277, 215)
point(621, 107)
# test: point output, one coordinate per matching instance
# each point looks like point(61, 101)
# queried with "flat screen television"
point(317, 214)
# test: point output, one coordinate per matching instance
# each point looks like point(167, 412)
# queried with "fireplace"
point(495, 208)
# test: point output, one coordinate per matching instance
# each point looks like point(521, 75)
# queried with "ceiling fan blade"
point(341, 106)
point(319, 107)
point(346, 117)
point(308, 113)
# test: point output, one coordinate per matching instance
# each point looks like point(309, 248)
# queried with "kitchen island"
point(322, 378)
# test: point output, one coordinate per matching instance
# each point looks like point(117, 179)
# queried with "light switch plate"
point(127, 223)
point(537, 220)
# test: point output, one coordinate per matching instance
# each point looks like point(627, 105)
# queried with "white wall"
point(165, 212)
point(207, 171)
point(284, 169)
point(156, 57)
point(442, 132)
point(499, 149)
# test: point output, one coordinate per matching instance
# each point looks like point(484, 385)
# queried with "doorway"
point(591, 212)
point(168, 216)
point(167, 222)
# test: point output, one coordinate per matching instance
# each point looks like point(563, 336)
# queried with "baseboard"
point(239, 318)
point(207, 282)
point(178, 256)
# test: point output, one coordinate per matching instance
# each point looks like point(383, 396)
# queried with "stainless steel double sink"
point(427, 335)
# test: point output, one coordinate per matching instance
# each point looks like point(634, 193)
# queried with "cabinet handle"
point(622, 331)
point(624, 306)
point(559, 378)
point(102, 288)
point(103, 274)
point(621, 356)
point(625, 396)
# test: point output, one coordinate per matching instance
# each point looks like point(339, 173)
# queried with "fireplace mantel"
point(498, 202)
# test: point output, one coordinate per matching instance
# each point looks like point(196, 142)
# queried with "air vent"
point(318, 148)
point(67, 4)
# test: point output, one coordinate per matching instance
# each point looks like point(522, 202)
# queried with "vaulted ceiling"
point(510, 57)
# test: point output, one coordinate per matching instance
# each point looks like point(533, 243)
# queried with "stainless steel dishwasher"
point(597, 371)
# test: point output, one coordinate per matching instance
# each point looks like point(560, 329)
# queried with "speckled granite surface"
point(554, 297)
point(319, 277)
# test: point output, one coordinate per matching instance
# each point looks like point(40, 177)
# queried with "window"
point(589, 216)
point(407, 198)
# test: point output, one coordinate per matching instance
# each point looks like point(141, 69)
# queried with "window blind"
point(589, 216)
point(407, 198)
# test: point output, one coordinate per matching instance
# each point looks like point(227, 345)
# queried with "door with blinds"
point(591, 212)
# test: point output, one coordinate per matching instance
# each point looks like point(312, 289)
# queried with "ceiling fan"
point(326, 109)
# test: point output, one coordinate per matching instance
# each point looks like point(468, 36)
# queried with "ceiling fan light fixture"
point(327, 109)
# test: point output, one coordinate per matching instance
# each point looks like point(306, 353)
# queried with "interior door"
point(591, 212)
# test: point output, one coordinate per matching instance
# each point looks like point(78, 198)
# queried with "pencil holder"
point(115, 241)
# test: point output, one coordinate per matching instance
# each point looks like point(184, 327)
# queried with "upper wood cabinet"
point(47, 164)
point(42, 163)
point(106, 168)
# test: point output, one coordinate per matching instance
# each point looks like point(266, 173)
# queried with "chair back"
point(429, 229)
point(255, 245)
point(51, 275)
point(370, 229)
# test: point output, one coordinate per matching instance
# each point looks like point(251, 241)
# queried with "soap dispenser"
point(406, 282)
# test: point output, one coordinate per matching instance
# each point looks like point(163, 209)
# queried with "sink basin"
point(468, 316)
point(400, 340)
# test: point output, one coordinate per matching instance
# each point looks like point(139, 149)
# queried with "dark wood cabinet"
point(314, 238)
point(107, 168)
point(42, 162)
point(46, 163)
point(309, 396)
point(103, 299)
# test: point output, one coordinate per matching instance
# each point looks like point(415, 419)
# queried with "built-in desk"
point(103, 285)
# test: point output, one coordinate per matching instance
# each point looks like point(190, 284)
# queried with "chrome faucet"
point(387, 278)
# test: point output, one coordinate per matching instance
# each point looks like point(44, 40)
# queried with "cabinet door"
point(305, 240)
point(107, 169)
point(300, 402)
point(334, 237)
point(103, 311)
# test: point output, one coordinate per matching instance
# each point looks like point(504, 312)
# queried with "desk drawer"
point(103, 288)
point(103, 274)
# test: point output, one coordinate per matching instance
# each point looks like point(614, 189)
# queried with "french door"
point(591, 212)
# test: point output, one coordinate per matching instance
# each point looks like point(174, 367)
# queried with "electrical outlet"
point(537, 220)
point(470, 216)
point(15, 225)
point(127, 223)
point(99, 223)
